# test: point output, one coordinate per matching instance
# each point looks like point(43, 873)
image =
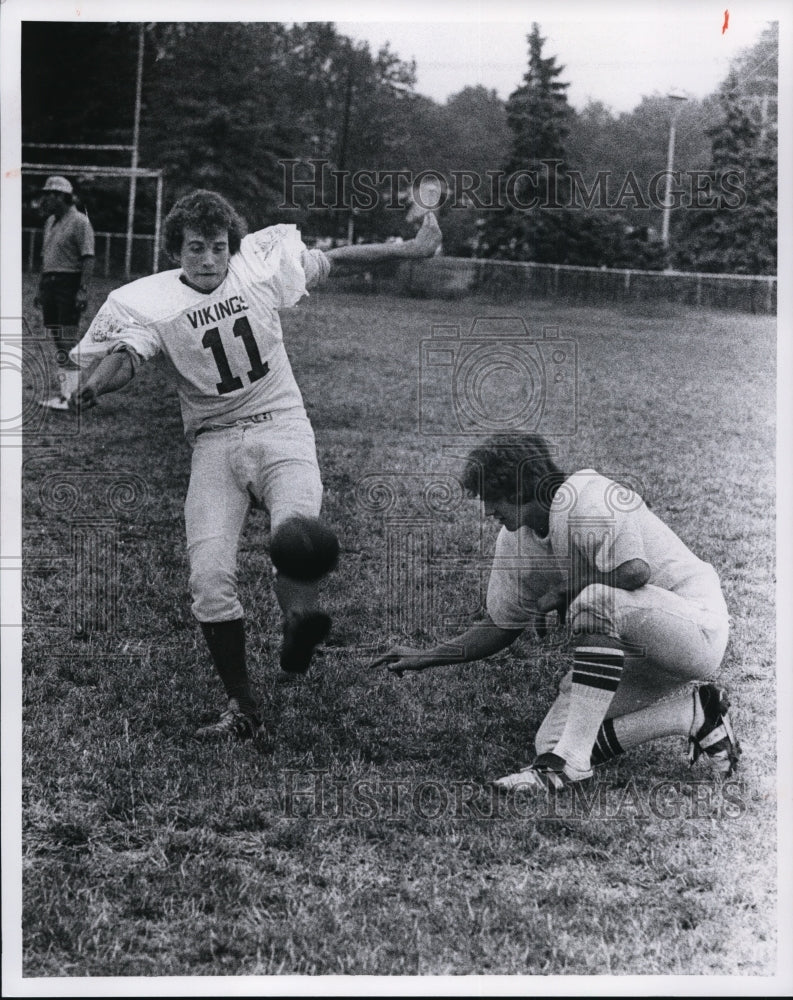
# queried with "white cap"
point(58, 184)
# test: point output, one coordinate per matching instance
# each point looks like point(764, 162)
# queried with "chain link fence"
point(459, 277)
point(453, 277)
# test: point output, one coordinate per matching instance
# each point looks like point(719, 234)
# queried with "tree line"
point(247, 108)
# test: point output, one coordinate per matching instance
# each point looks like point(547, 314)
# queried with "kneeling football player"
point(215, 318)
point(647, 618)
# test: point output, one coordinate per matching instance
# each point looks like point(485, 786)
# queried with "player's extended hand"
point(398, 659)
point(83, 398)
point(427, 239)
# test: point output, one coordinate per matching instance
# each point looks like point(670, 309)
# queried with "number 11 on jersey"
point(229, 382)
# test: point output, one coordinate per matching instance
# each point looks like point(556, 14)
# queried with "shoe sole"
point(721, 731)
point(539, 779)
point(52, 406)
point(300, 641)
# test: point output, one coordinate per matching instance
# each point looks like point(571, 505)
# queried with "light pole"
point(677, 104)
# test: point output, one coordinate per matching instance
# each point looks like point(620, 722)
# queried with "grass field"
point(359, 837)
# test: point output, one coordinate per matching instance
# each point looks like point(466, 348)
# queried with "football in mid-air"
point(305, 549)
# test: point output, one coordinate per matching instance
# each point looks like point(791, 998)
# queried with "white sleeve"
point(521, 574)
point(605, 525)
point(317, 267)
point(115, 328)
point(275, 258)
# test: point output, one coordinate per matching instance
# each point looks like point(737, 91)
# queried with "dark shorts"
point(57, 294)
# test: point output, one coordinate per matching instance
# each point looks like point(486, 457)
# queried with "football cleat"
point(302, 634)
point(232, 724)
point(548, 773)
point(715, 738)
point(55, 403)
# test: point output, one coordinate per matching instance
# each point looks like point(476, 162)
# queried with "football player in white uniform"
point(647, 617)
point(215, 318)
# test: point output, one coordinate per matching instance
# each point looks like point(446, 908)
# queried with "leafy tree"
point(475, 135)
point(212, 115)
point(78, 87)
point(222, 104)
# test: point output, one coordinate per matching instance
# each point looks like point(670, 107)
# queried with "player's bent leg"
point(684, 642)
point(679, 642)
point(667, 711)
point(699, 713)
point(279, 467)
point(304, 551)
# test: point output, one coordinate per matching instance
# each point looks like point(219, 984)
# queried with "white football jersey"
point(605, 524)
point(226, 346)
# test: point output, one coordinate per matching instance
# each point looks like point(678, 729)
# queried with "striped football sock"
point(671, 716)
point(596, 674)
point(607, 746)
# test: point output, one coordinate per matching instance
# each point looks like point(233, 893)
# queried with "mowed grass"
point(359, 836)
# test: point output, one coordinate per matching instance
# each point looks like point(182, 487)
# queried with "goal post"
point(94, 170)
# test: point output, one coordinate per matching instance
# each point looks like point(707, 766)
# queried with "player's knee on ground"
point(594, 611)
point(304, 549)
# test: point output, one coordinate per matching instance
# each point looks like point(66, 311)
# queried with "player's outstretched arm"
point(425, 243)
point(113, 372)
point(478, 642)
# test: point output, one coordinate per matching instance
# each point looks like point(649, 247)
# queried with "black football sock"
point(226, 641)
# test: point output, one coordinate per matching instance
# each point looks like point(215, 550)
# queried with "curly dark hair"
point(514, 467)
point(207, 212)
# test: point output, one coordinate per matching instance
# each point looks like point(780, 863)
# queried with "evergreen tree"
point(537, 112)
point(739, 234)
point(538, 116)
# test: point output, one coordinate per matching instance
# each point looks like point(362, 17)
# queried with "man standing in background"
point(66, 271)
